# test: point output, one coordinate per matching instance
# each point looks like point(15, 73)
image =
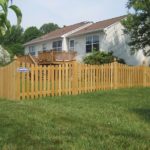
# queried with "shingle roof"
point(99, 25)
point(91, 28)
point(57, 33)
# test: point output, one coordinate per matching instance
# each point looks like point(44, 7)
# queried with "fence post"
point(112, 75)
point(144, 76)
point(75, 78)
point(115, 74)
point(17, 80)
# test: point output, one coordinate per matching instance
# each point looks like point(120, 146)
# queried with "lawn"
point(106, 120)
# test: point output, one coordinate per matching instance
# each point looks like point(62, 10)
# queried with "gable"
point(99, 26)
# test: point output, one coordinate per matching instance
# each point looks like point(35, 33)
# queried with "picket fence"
point(27, 81)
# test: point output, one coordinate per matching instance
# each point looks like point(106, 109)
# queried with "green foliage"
point(13, 41)
point(5, 24)
point(15, 49)
point(105, 120)
point(98, 58)
point(10, 34)
point(17, 12)
point(12, 37)
point(137, 25)
point(31, 33)
point(48, 27)
point(15, 36)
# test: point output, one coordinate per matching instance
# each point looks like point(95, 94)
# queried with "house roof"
point(99, 25)
point(62, 31)
point(57, 33)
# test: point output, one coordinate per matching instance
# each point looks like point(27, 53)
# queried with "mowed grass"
point(106, 120)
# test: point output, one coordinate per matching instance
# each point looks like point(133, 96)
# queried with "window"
point(44, 47)
point(92, 42)
point(32, 50)
point(71, 45)
point(57, 45)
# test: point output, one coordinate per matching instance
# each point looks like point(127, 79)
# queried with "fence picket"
point(67, 79)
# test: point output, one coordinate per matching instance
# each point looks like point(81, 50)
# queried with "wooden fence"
point(68, 79)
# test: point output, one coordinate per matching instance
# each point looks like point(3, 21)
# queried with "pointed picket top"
point(15, 57)
point(115, 59)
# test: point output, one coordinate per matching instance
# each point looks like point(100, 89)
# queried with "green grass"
point(111, 120)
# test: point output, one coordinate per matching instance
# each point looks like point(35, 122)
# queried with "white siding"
point(39, 47)
point(111, 39)
point(26, 51)
point(80, 45)
point(115, 40)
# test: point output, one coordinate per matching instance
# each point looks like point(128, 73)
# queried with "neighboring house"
point(83, 37)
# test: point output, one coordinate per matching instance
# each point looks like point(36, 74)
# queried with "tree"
point(99, 58)
point(31, 33)
point(48, 27)
point(15, 49)
point(5, 24)
point(137, 25)
point(15, 36)
point(13, 41)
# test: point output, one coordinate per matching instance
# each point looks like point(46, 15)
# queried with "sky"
point(67, 12)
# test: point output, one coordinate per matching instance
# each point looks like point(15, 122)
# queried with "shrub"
point(99, 58)
point(15, 49)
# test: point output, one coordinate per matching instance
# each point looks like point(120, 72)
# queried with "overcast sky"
point(66, 12)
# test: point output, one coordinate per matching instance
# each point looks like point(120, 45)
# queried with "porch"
point(49, 57)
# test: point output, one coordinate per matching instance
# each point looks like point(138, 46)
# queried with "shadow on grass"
point(143, 113)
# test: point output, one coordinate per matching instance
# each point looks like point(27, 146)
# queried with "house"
point(83, 37)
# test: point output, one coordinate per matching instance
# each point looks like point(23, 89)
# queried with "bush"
point(99, 58)
point(15, 49)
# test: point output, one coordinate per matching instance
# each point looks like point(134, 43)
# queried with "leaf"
point(2, 16)
point(17, 12)
point(2, 30)
point(8, 25)
point(4, 4)
point(4, 21)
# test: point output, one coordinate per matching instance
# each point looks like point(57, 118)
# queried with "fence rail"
point(68, 79)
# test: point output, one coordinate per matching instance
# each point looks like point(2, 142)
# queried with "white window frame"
point(44, 47)
point(57, 48)
point(32, 50)
point(92, 42)
point(71, 47)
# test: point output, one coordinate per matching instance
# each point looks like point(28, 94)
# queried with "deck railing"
point(52, 56)
point(49, 57)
